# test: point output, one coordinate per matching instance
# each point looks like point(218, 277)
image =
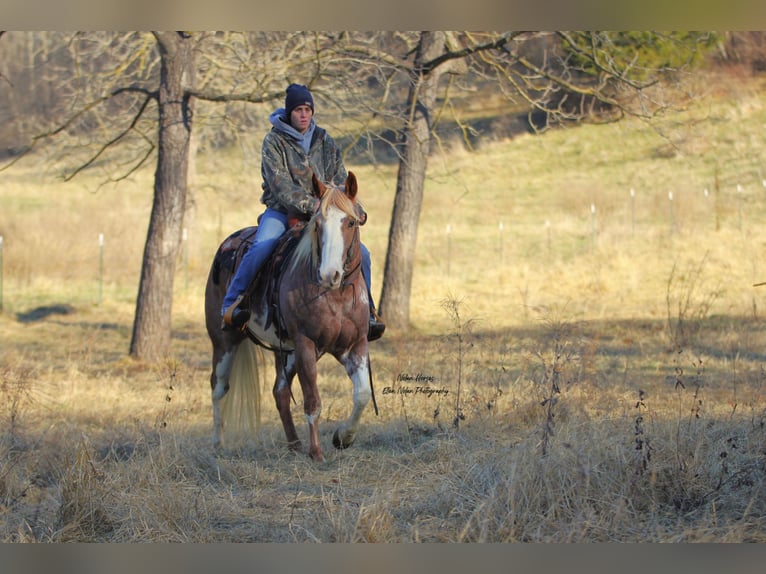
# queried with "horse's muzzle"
point(330, 279)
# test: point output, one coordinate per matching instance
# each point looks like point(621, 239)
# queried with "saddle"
point(267, 279)
point(231, 252)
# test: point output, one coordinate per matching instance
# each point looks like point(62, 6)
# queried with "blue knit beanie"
point(297, 95)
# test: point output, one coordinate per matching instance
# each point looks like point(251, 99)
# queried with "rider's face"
point(300, 118)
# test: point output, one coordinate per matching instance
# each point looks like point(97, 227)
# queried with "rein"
point(352, 253)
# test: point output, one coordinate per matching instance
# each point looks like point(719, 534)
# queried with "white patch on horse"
point(360, 377)
point(269, 336)
point(357, 369)
point(222, 372)
point(333, 249)
point(289, 366)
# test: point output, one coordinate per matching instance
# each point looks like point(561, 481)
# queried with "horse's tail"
point(241, 406)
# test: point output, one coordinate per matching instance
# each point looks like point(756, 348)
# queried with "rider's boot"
point(235, 318)
point(377, 326)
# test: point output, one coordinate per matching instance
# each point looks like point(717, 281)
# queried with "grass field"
point(599, 355)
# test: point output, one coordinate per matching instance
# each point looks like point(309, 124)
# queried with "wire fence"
point(741, 207)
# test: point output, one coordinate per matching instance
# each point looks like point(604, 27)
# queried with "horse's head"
point(336, 231)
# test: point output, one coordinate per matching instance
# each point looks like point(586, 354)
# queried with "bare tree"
point(416, 144)
point(151, 328)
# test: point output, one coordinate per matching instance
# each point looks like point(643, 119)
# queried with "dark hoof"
point(317, 456)
point(337, 443)
point(295, 446)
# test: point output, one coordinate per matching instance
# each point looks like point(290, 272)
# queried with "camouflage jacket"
point(286, 168)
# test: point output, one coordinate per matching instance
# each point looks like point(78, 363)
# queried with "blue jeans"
point(272, 226)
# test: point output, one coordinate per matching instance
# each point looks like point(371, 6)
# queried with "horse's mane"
point(305, 251)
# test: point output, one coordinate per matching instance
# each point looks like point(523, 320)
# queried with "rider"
point(294, 149)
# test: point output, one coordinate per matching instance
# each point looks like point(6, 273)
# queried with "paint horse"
point(317, 305)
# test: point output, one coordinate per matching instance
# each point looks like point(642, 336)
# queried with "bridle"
point(352, 264)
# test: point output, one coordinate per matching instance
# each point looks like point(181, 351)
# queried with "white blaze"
point(333, 251)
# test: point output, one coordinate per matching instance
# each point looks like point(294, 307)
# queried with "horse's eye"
point(351, 223)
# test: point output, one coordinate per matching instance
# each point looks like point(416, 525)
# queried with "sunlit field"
point(586, 360)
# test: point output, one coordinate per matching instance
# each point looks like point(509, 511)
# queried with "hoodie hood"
point(277, 119)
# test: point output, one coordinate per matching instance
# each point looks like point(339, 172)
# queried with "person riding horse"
point(317, 306)
point(293, 151)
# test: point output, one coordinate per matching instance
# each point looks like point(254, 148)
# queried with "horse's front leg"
point(306, 366)
point(357, 363)
point(284, 363)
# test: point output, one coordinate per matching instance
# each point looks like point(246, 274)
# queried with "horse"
point(317, 305)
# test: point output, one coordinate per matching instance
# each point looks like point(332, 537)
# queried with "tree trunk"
point(402, 238)
point(152, 325)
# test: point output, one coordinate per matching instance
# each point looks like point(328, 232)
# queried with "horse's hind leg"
point(357, 367)
point(284, 364)
point(219, 382)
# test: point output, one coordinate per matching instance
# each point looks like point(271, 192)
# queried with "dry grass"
point(610, 368)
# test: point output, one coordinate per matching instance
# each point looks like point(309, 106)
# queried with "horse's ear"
point(351, 187)
point(317, 187)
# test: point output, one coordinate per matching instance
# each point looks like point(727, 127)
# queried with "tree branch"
point(210, 96)
point(496, 44)
point(67, 123)
point(112, 141)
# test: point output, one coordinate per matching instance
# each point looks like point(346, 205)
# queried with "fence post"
point(739, 204)
point(100, 268)
point(548, 236)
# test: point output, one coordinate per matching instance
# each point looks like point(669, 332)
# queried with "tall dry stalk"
point(687, 305)
point(461, 327)
point(558, 369)
point(641, 441)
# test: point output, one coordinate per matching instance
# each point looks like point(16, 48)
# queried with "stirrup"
point(376, 328)
point(234, 317)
